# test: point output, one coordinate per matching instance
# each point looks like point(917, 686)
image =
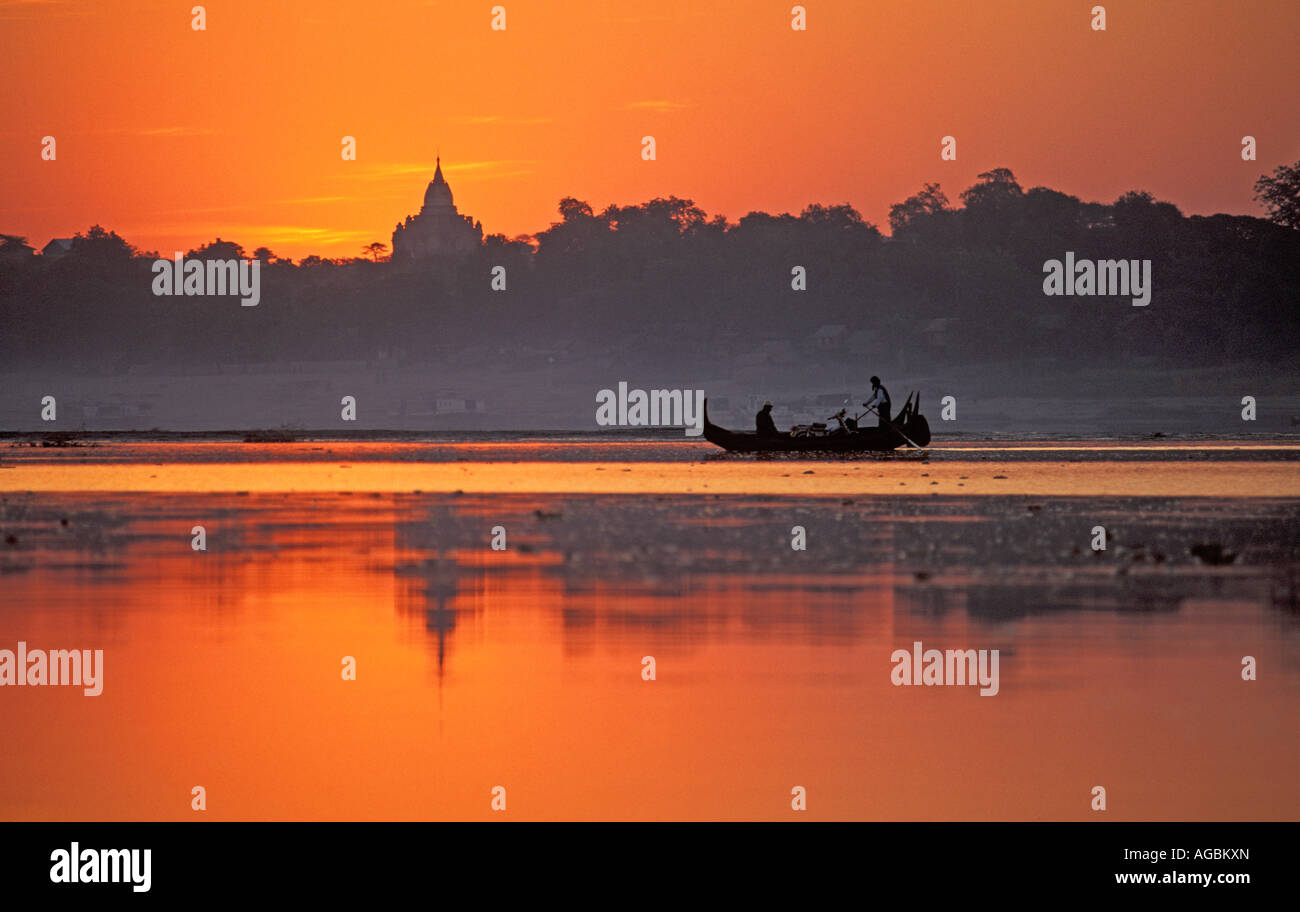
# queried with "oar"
point(897, 428)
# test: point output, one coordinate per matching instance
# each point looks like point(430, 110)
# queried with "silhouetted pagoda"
point(439, 231)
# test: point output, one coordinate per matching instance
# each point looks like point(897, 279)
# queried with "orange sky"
point(172, 137)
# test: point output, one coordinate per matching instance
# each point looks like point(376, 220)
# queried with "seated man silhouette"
point(763, 420)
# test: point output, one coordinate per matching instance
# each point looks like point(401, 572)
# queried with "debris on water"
point(1000, 476)
point(846, 503)
point(546, 514)
point(63, 521)
point(1034, 508)
point(11, 539)
point(269, 436)
point(1283, 591)
point(810, 472)
point(921, 575)
point(1138, 553)
point(1213, 554)
point(62, 439)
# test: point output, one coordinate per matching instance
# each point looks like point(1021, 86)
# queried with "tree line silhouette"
point(666, 282)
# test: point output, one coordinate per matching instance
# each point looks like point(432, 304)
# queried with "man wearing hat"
point(879, 401)
point(766, 426)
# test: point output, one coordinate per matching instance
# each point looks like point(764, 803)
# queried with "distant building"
point(941, 331)
point(56, 248)
point(450, 404)
point(438, 231)
point(830, 336)
point(861, 340)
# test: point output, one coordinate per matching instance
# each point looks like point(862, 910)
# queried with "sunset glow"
point(172, 137)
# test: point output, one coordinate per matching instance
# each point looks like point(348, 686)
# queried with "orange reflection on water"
point(744, 477)
point(522, 668)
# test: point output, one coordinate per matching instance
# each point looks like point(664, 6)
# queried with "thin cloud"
point(294, 234)
point(176, 131)
point(659, 107)
point(17, 10)
point(488, 170)
point(671, 16)
point(252, 204)
point(391, 171)
point(498, 119)
point(257, 235)
point(319, 199)
point(147, 131)
point(475, 170)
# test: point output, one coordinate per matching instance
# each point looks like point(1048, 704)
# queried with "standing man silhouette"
point(879, 401)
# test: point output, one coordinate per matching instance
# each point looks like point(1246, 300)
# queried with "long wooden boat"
point(865, 440)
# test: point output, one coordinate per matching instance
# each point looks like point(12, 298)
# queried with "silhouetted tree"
point(101, 245)
point(929, 202)
point(11, 245)
point(843, 218)
point(572, 209)
point(993, 188)
point(1145, 224)
point(662, 286)
point(217, 250)
point(1280, 195)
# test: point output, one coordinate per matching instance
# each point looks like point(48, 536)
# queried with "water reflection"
point(773, 661)
point(715, 568)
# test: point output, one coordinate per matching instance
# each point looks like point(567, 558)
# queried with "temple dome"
point(439, 194)
point(438, 231)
